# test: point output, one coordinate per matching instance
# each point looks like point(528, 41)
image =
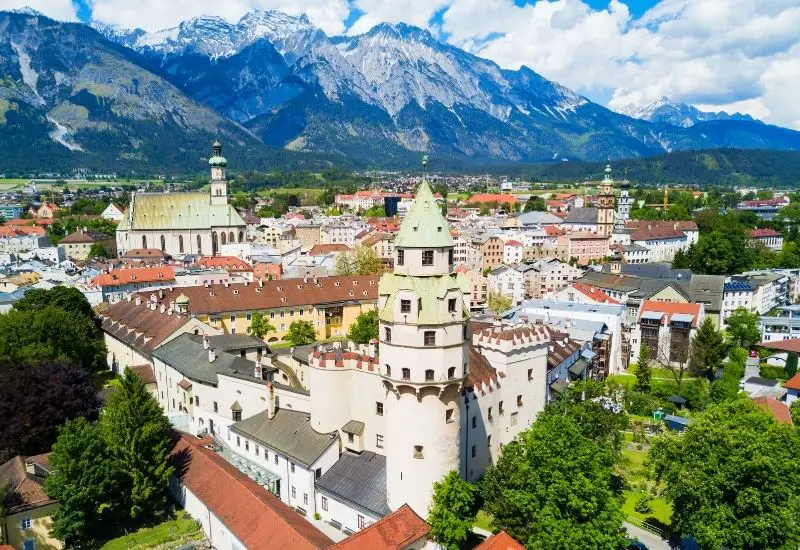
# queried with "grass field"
point(659, 508)
point(173, 533)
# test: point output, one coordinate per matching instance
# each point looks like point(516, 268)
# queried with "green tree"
point(87, 485)
point(552, 486)
point(732, 478)
point(644, 371)
point(138, 436)
point(363, 260)
point(376, 211)
point(791, 364)
point(677, 212)
point(743, 328)
point(535, 204)
point(301, 333)
point(68, 298)
point(452, 511)
point(259, 326)
point(794, 408)
point(497, 302)
point(345, 265)
point(97, 250)
point(365, 327)
point(707, 350)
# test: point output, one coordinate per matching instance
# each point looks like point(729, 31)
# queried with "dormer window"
point(405, 306)
point(427, 257)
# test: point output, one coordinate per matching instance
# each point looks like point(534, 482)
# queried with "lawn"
point(174, 532)
point(484, 520)
point(660, 509)
point(772, 371)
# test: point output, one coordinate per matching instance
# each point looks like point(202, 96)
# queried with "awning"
point(185, 384)
point(682, 318)
point(353, 427)
point(654, 315)
point(559, 385)
point(579, 367)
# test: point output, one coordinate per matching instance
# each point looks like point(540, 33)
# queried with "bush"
point(642, 404)
point(317, 516)
point(696, 394)
point(643, 504)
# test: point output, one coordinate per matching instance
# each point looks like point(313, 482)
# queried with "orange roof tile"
point(320, 249)
point(492, 197)
point(778, 410)
point(670, 309)
point(793, 383)
point(500, 541)
point(135, 275)
point(254, 515)
point(512, 242)
point(396, 531)
point(594, 293)
point(229, 263)
point(790, 344)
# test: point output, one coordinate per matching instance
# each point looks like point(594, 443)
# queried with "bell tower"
point(423, 314)
point(605, 204)
point(219, 185)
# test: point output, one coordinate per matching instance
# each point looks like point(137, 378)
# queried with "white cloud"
point(154, 15)
point(63, 10)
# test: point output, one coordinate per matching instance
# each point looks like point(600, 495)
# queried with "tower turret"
point(423, 314)
point(219, 185)
point(605, 204)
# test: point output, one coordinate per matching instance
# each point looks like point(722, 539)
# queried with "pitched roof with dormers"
point(135, 275)
point(397, 531)
point(139, 326)
point(669, 309)
point(424, 226)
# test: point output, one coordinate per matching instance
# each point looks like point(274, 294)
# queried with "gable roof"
point(136, 275)
point(424, 226)
point(320, 249)
point(359, 479)
point(594, 294)
point(84, 237)
point(587, 215)
point(177, 211)
point(793, 383)
point(394, 532)
point(500, 541)
point(140, 327)
point(778, 410)
point(229, 263)
point(254, 515)
point(499, 198)
point(187, 355)
point(25, 490)
point(670, 309)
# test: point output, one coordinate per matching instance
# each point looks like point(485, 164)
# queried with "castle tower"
point(219, 185)
point(423, 360)
point(605, 204)
point(624, 204)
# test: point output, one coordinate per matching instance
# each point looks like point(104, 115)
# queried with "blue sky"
point(733, 55)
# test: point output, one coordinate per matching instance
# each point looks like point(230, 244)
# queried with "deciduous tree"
point(743, 328)
point(452, 511)
point(497, 302)
point(138, 437)
point(259, 326)
point(365, 328)
point(301, 333)
point(535, 204)
point(97, 250)
point(732, 478)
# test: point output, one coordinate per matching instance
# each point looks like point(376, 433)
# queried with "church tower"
point(624, 204)
point(219, 185)
point(423, 312)
point(605, 204)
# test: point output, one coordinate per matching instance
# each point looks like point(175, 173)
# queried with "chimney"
point(257, 369)
point(212, 355)
point(270, 401)
point(163, 308)
point(138, 300)
point(205, 342)
point(261, 283)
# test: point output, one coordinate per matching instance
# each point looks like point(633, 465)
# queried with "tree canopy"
point(452, 511)
point(363, 260)
point(365, 327)
point(65, 297)
point(498, 302)
point(301, 333)
point(535, 204)
point(35, 401)
point(259, 326)
point(708, 350)
point(743, 328)
point(732, 478)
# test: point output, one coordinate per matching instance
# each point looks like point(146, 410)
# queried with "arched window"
point(163, 244)
point(429, 375)
point(451, 373)
point(214, 245)
point(241, 236)
point(224, 239)
point(199, 245)
point(180, 244)
point(144, 241)
point(231, 237)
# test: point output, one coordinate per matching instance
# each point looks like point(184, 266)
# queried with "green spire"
point(424, 225)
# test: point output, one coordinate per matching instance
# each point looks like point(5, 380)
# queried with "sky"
point(732, 55)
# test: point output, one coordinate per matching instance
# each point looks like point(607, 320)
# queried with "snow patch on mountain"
point(664, 110)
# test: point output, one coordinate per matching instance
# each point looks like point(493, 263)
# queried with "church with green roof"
point(183, 223)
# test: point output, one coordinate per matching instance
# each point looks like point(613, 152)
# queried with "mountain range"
point(278, 90)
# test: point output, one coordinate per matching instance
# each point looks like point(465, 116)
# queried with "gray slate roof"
point(358, 479)
point(353, 427)
point(289, 433)
point(586, 215)
point(227, 342)
point(538, 218)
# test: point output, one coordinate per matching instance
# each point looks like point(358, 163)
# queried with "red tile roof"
point(26, 490)
point(396, 531)
point(594, 293)
point(81, 237)
point(492, 197)
point(140, 327)
point(267, 271)
point(254, 515)
point(135, 275)
point(791, 344)
point(320, 249)
point(513, 243)
point(778, 410)
point(670, 309)
point(553, 231)
point(762, 233)
point(793, 383)
point(145, 373)
point(229, 263)
point(144, 254)
point(500, 541)
point(20, 231)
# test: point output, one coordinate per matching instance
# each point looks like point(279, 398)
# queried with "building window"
point(430, 337)
point(418, 451)
point(427, 257)
point(379, 408)
point(405, 306)
point(500, 407)
point(237, 416)
point(451, 305)
point(514, 417)
point(196, 401)
point(489, 413)
point(519, 401)
point(291, 467)
point(451, 373)
point(324, 503)
point(29, 544)
point(530, 375)
point(379, 441)
point(305, 498)
point(163, 244)
point(238, 441)
point(25, 524)
point(450, 256)
point(388, 370)
point(474, 451)
point(429, 375)
point(448, 416)
point(362, 522)
point(276, 458)
point(387, 334)
point(257, 450)
point(317, 474)
point(406, 374)
point(294, 492)
point(474, 421)
point(180, 244)
point(246, 445)
point(350, 438)
point(489, 441)
point(216, 408)
point(401, 257)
